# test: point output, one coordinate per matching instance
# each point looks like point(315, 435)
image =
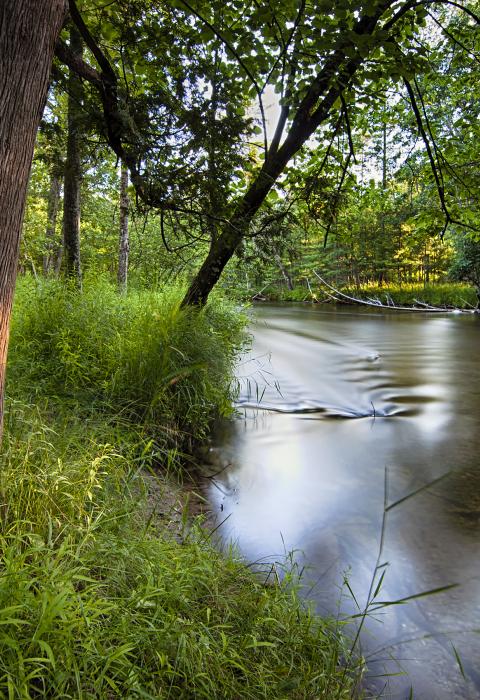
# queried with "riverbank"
point(108, 589)
point(447, 295)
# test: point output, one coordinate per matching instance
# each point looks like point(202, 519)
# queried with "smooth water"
point(330, 400)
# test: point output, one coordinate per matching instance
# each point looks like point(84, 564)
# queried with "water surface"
point(330, 399)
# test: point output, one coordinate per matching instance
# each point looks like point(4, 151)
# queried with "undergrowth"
point(139, 356)
point(95, 600)
point(448, 294)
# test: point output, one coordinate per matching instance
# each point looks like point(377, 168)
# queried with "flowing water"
point(331, 399)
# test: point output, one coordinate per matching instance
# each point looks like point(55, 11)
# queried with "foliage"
point(99, 596)
point(466, 265)
point(140, 355)
point(174, 105)
point(189, 101)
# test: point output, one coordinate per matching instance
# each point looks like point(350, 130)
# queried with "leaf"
point(459, 661)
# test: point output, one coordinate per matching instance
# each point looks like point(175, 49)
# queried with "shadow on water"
point(328, 400)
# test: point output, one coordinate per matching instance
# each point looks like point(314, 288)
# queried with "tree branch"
point(77, 64)
point(431, 157)
point(438, 176)
point(240, 62)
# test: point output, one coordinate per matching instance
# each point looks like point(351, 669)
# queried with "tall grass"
point(97, 600)
point(447, 294)
point(140, 356)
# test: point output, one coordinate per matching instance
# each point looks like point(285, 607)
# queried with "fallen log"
point(339, 296)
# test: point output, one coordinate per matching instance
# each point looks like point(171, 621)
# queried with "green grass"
point(448, 294)
point(138, 356)
point(98, 597)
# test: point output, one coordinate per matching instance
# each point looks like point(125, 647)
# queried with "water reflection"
point(329, 399)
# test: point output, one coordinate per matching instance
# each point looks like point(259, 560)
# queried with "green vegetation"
point(101, 597)
point(369, 177)
point(447, 294)
point(441, 294)
point(140, 356)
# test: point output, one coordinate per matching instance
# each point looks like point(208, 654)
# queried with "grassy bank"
point(449, 295)
point(99, 596)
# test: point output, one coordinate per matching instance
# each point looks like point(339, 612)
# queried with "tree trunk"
point(28, 32)
point(52, 211)
point(223, 247)
point(284, 271)
point(124, 243)
point(73, 167)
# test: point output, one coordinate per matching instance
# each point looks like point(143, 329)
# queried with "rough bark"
point(28, 32)
point(124, 243)
point(52, 211)
point(73, 167)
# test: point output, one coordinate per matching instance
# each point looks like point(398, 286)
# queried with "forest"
point(164, 166)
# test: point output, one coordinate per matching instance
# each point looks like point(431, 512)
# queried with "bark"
point(124, 243)
point(28, 32)
point(52, 211)
point(73, 167)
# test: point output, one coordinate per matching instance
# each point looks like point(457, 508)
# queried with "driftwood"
point(337, 295)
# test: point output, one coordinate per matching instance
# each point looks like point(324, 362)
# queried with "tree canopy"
point(180, 92)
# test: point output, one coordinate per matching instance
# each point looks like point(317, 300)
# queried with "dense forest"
point(160, 161)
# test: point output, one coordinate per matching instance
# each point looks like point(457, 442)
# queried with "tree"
point(73, 166)
point(52, 211)
point(123, 243)
point(321, 60)
point(48, 162)
point(28, 32)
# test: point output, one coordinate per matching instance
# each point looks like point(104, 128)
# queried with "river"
point(332, 399)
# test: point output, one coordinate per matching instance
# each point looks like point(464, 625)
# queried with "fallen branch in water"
point(339, 296)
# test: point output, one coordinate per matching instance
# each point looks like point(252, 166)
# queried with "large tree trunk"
point(52, 211)
point(73, 167)
point(124, 244)
point(28, 32)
